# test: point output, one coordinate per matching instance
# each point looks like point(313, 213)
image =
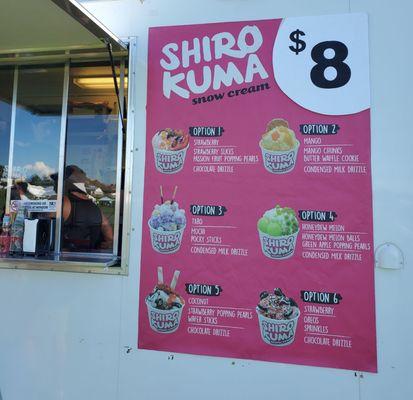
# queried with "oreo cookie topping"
point(277, 305)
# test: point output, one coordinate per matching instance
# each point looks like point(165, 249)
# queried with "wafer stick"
point(161, 194)
point(160, 275)
point(175, 279)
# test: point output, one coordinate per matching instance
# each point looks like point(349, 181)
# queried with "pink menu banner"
point(257, 221)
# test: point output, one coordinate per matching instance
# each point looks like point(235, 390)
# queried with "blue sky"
point(36, 140)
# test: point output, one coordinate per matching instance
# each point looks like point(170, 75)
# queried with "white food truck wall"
point(73, 336)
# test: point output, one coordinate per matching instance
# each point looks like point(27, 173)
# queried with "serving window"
point(62, 162)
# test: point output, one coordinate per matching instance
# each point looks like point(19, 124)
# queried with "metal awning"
point(30, 28)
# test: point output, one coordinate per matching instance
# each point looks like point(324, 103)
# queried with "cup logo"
point(278, 333)
point(166, 242)
point(281, 247)
point(164, 322)
point(280, 162)
point(169, 162)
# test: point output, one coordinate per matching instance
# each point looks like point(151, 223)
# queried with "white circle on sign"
point(330, 73)
point(292, 67)
point(329, 53)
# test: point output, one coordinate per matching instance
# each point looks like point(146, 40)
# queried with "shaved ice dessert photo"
point(170, 147)
point(165, 305)
point(279, 147)
point(277, 317)
point(278, 230)
point(167, 224)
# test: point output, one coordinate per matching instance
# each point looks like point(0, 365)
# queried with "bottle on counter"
point(5, 236)
point(17, 232)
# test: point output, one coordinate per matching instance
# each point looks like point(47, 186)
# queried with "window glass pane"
point(37, 132)
point(6, 94)
point(89, 201)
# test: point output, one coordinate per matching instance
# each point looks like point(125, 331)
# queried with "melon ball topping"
point(279, 221)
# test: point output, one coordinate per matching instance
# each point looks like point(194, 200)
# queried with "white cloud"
point(22, 144)
point(39, 168)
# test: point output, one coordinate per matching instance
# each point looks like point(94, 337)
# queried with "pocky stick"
point(174, 194)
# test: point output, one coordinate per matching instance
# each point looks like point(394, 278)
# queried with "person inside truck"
point(84, 226)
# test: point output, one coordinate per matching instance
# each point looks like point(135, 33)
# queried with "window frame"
point(88, 263)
